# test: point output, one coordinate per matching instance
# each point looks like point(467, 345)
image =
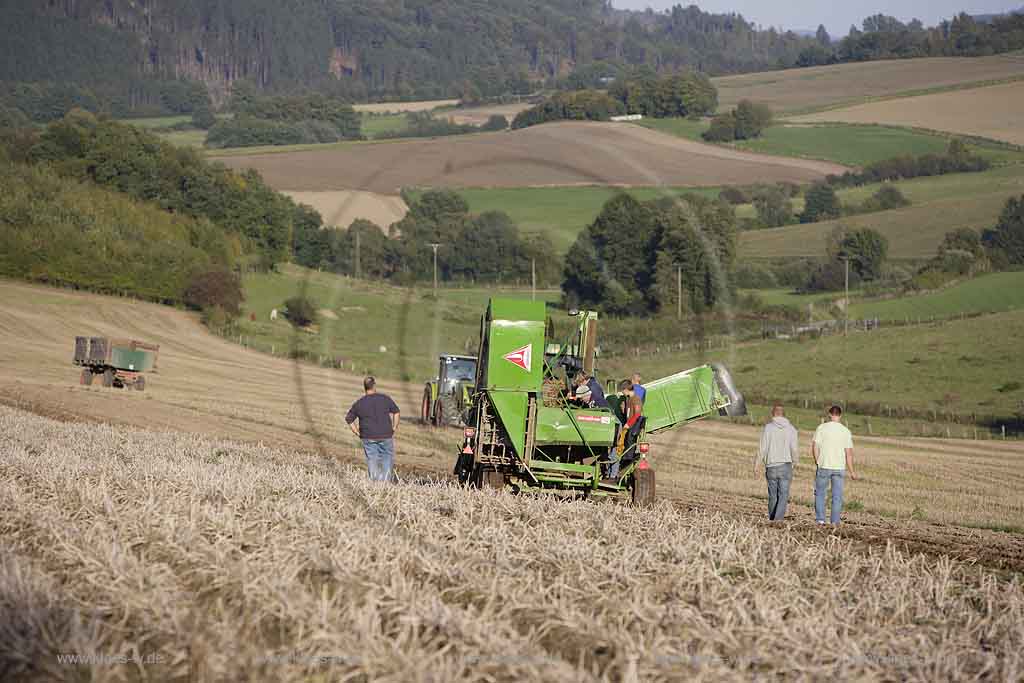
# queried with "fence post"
point(1004, 432)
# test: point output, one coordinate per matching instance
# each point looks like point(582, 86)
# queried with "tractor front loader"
point(524, 430)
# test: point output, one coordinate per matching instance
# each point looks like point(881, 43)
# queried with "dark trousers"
point(779, 478)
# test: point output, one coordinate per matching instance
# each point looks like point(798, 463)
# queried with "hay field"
point(994, 112)
point(570, 153)
point(202, 559)
point(402, 107)
point(340, 207)
point(804, 90)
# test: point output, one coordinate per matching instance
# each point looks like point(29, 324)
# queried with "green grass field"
point(559, 212)
point(955, 366)
point(850, 145)
point(988, 293)
point(683, 128)
point(939, 205)
point(375, 124)
point(158, 121)
point(362, 317)
point(789, 298)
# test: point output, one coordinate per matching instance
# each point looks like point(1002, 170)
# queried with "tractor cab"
point(447, 396)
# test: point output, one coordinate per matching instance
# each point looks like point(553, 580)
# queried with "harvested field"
point(477, 116)
point(570, 153)
point(213, 387)
point(994, 112)
point(401, 107)
point(339, 208)
point(214, 560)
point(821, 87)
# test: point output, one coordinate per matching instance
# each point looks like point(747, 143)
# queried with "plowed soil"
point(567, 153)
point(916, 494)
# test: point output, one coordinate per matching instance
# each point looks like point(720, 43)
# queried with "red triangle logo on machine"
point(521, 357)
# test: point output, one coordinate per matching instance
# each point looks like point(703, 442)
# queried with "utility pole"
point(533, 279)
point(357, 255)
point(679, 292)
point(846, 306)
point(434, 246)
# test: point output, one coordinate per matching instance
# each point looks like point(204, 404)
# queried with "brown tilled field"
point(570, 153)
point(214, 528)
point(995, 112)
point(400, 107)
point(340, 207)
point(799, 90)
point(477, 116)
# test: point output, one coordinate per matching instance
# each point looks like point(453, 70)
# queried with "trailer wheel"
point(86, 378)
point(108, 378)
point(425, 407)
point(140, 384)
point(643, 488)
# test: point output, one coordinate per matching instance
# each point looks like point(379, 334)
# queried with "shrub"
point(300, 311)
point(774, 209)
point(216, 288)
point(751, 119)
point(734, 195)
point(821, 204)
point(1006, 240)
point(202, 117)
point(495, 122)
point(888, 197)
point(754, 276)
point(723, 128)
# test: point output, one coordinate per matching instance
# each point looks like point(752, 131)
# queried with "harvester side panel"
point(554, 426)
point(681, 398)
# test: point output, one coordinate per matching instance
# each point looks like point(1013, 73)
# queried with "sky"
point(837, 17)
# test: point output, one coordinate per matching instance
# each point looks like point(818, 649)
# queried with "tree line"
point(639, 91)
point(632, 259)
point(885, 37)
point(473, 248)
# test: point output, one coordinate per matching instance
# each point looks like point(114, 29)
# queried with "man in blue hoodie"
point(778, 453)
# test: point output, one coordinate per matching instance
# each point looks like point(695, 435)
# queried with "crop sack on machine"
point(523, 429)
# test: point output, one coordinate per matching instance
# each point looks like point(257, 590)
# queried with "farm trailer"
point(118, 362)
point(524, 431)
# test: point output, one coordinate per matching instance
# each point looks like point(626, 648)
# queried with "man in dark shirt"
point(377, 417)
point(589, 392)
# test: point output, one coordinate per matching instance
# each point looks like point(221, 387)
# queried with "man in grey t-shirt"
point(778, 453)
point(377, 417)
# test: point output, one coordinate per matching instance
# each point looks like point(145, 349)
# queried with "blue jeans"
point(821, 481)
point(779, 478)
point(380, 458)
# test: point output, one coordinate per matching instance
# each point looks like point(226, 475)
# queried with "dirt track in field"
point(211, 386)
point(566, 153)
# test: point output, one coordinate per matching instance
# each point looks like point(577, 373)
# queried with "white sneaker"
point(821, 522)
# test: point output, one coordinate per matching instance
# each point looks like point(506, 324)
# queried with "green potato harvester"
point(524, 431)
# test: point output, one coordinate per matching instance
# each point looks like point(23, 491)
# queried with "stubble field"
point(993, 112)
point(796, 91)
point(569, 153)
point(201, 559)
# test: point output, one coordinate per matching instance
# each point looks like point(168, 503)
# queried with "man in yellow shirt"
point(832, 450)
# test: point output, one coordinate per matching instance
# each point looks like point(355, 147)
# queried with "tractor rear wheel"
point(425, 407)
point(86, 378)
point(108, 378)
point(448, 412)
point(643, 488)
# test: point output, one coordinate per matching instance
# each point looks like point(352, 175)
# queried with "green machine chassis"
point(524, 432)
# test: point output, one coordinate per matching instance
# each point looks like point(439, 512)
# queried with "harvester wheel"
point(140, 384)
point(86, 378)
point(425, 407)
point(643, 487)
point(108, 378)
point(493, 480)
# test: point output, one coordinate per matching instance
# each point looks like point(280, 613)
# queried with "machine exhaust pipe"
point(737, 404)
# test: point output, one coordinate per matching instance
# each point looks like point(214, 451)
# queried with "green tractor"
point(524, 430)
point(446, 398)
